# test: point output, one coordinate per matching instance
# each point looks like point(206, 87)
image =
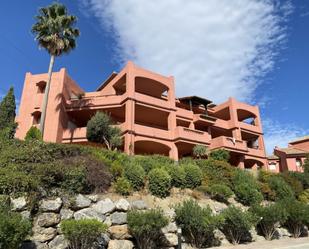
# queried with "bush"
point(247, 195)
point(304, 196)
point(145, 227)
point(13, 230)
point(122, 186)
point(219, 192)
point(154, 161)
point(293, 182)
point(197, 223)
point(117, 169)
point(199, 151)
point(83, 233)
point(193, 176)
point(280, 187)
point(33, 134)
point(267, 192)
point(297, 215)
point(271, 217)
point(178, 175)
point(220, 155)
point(159, 182)
point(135, 175)
point(236, 223)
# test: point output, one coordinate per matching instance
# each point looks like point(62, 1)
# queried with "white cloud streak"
point(214, 48)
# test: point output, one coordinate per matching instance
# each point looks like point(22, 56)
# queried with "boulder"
point(34, 245)
point(170, 228)
point(51, 205)
point(66, 214)
point(220, 238)
point(120, 244)
point(93, 198)
point(89, 213)
point(282, 232)
point(105, 206)
point(48, 219)
point(42, 234)
point(119, 232)
point(19, 204)
point(122, 205)
point(119, 218)
point(82, 202)
point(103, 240)
point(25, 214)
point(139, 204)
point(59, 242)
point(170, 239)
point(108, 221)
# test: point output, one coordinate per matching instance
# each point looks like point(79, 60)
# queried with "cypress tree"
point(7, 113)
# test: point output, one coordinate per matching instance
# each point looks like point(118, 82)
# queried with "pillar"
point(174, 152)
point(241, 163)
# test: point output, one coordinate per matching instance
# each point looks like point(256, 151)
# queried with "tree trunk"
point(45, 99)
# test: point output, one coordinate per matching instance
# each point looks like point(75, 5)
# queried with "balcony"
point(256, 152)
point(151, 132)
point(153, 101)
point(208, 120)
point(192, 135)
point(228, 143)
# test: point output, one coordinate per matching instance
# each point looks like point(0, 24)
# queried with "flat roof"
point(300, 139)
point(195, 100)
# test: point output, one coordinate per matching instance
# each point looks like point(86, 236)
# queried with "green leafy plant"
point(237, 223)
point(100, 130)
point(270, 218)
point(178, 175)
point(135, 175)
point(83, 234)
point(219, 192)
point(220, 155)
point(122, 186)
point(33, 134)
point(159, 182)
point(145, 227)
point(193, 176)
point(281, 188)
point(197, 223)
point(199, 151)
point(304, 196)
point(13, 229)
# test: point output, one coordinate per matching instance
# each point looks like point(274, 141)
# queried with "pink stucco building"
point(152, 119)
point(291, 158)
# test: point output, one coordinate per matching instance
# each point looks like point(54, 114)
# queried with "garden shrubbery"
point(219, 192)
point(135, 175)
point(159, 182)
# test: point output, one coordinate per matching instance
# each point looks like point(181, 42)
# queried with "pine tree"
point(7, 113)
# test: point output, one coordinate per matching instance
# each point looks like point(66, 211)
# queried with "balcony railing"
point(192, 135)
point(229, 143)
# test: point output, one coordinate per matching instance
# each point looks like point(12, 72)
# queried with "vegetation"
point(135, 175)
point(304, 196)
point(197, 223)
point(83, 234)
point(270, 218)
point(219, 192)
point(193, 176)
point(236, 223)
point(100, 130)
point(54, 31)
point(159, 182)
point(122, 186)
point(220, 155)
point(145, 227)
point(199, 151)
point(33, 134)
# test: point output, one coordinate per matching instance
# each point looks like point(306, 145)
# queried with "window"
point(41, 86)
point(36, 118)
point(298, 163)
point(272, 166)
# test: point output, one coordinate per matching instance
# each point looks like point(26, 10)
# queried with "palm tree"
point(54, 31)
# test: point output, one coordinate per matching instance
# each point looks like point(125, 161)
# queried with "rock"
point(25, 214)
point(119, 218)
point(48, 219)
point(139, 204)
point(19, 204)
point(42, 234)
point(220, 238)
point(304, 231)
point(254, 236)
point(89, 213)
point(66, 214)
point(82, 202)
point(119, 232)
point(34, 245)
point(186, 246)
point(282, 232)
point(170, 213)
point(51, 205)
point(104, 206)
point(103, 240)
point(122, 205)
point(120, 244)
point(59, 242)
point(170, 228)
point(170, 239)
point(108, 221)
point(93, 198)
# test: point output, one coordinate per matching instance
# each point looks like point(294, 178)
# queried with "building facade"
point(152, 119)
point(291, 158)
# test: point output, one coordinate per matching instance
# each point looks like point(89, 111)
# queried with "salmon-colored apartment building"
point(152, 119)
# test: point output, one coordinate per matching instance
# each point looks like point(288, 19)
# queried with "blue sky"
point(254, 50)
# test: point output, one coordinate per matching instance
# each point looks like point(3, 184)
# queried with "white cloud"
point(214, 48)
point(278, 134)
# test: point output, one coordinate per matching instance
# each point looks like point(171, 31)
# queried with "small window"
point(272, 166)
point(41, 86)
point(298, 163)
point(36, 118)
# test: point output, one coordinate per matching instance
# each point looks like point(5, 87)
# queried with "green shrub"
point(280, 187)
point(135, 175)
point(247, 195)
point(306, 164)
point(304, 196)
point(297, 215)
point(267, 192)
point(83, 233)
point(293, 182)
point(220, 155)
point(33, 134)
point(178, 176)
point(122, 186)
point(153, 161)
point(193, 176)
point(159, 182)
point(117, 169)
point(270, 218)
point(237, 223)
point(199, 151)
point(302, 177)
point(5, 202)
point(13, 230)
point(197, 223)
point(219, 192)
point(145, 227)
